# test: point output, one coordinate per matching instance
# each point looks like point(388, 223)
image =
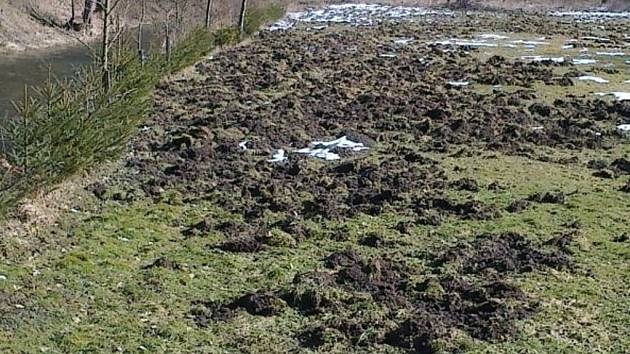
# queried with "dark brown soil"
point(162, 262)
point(286, 90)
point(509, 252)
point(484, 304)
point(548, 197)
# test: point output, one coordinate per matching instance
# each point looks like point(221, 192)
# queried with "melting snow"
point(584, 61)
point(492, 36)
point(354, 14)
point(324, 149)
point(537, 58)
point(620, 96)
point(464, 42)
point(624, 130)
point(611, 54)
point(596, 39)
point(591, 14)
point(599, 80)
point(278, 156)
point(403, 41)
point(529, 43)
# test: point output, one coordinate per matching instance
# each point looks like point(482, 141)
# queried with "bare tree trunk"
point(241, 22)
point(167, 43)
point(209, 13)
point(88, 9)
point(178, 20)
point(140, 34)
point(107, 82)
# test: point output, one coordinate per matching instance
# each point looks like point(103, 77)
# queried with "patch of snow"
point(278, 156)
point(388, 55)
point(243, 144)
point(591, 15)
point(403, 41)
point(596, 39)
point(537, 58)
point(620, 96)
point(325, 149)
point(624, 130)
point(458, 83)
point(355, 15)
point(577, 61)
point(529, 42)
point(567, 46)
point(599, 80)
point(611, 54)
point(464, 42)
point(538, 128)
point(492, 36)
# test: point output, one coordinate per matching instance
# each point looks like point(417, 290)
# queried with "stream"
point(32, 68)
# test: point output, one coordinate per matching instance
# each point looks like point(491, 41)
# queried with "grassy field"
point(192, 245)
point(92, 290)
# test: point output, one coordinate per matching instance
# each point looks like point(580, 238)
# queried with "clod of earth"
point(486, 307)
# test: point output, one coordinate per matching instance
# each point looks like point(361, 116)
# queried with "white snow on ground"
point(325, 149)
point(620, 96)
point(611, 54)
point(577, 61)
point(354, 14)
point(458, 83)
point(492, 36)
point(529, 42)
point(599, 80)
point(596, 39)
point(465, 42)
point(278, 156)
point(591, 15)
point(624, 130)
point(537, 58)
point(243, 145)
point(403, 41)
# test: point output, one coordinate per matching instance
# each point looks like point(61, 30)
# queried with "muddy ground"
point(286, 90)
point(404, 246)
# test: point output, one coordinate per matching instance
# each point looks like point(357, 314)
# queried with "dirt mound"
point(483, 305)
point(509, 252)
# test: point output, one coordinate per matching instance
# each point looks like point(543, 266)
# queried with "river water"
point(32, 68)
